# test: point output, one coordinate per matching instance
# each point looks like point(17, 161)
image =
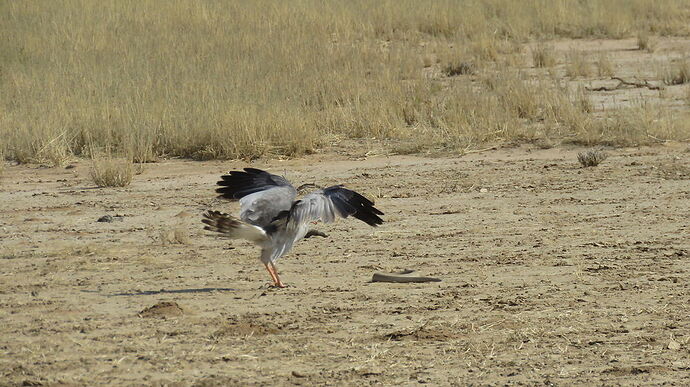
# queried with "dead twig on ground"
point(623, 84)
point(465, 152)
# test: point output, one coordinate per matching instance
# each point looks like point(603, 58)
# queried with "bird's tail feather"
point(232, 227)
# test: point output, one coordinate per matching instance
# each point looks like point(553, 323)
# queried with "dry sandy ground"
point(551, 273)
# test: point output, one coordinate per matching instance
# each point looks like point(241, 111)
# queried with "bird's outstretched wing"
point(238, 184)
point(330, 203)
point(262, 195)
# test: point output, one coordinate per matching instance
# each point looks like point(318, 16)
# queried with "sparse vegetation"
point(462, 68)
point(112, 172)
point(577, 64)
point(634, 126)
point(582, 101)
point(543, 56)
point(645, 42)
point(677, 73)
point(591, 158)
point(196, 80)
point(604, 65)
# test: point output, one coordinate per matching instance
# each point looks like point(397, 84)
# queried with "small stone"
point(110, 219)
point(483, 190)
point(298, 374)
point(673, 345)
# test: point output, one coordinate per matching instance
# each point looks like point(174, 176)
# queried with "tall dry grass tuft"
point(577, 64)
point(645, 42)
point(677, 73)
point(582, 101)
point(543, 55)
point(111, 172)
point(605, 67)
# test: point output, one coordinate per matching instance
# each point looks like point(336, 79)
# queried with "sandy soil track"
point(551, 274)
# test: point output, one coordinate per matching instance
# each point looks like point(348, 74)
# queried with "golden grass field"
point(245, 79)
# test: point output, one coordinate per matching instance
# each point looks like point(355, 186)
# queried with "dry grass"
point(461, 68)
point(604, 66)
point(577, 64)
point(591, 158)
point(638, 125)
point(677, 73)
point(543, 55)
point(112, 172)
point(211, 80)
point(582, 101)
point(645, 42)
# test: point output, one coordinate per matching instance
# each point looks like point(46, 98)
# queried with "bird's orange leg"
point(274, 275)
point(278, 283)
point(270, 271)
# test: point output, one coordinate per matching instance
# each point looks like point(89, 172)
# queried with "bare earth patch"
point(552, 273)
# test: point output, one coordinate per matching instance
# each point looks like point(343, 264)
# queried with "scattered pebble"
point(673, 345)
point(110, 218)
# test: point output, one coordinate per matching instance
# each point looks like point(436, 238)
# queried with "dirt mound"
point(162, 310)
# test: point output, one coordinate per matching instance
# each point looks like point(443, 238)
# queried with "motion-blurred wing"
point(232, 227)
point(332, 202)
point(262, 195)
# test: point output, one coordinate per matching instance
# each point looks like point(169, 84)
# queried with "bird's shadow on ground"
point(166, 291)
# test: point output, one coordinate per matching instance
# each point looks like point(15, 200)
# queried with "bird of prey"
point(273, 218)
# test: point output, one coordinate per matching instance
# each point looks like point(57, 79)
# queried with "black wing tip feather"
point(366, 211)
point(238, 184)
point(353, 203)
point(254, 171)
